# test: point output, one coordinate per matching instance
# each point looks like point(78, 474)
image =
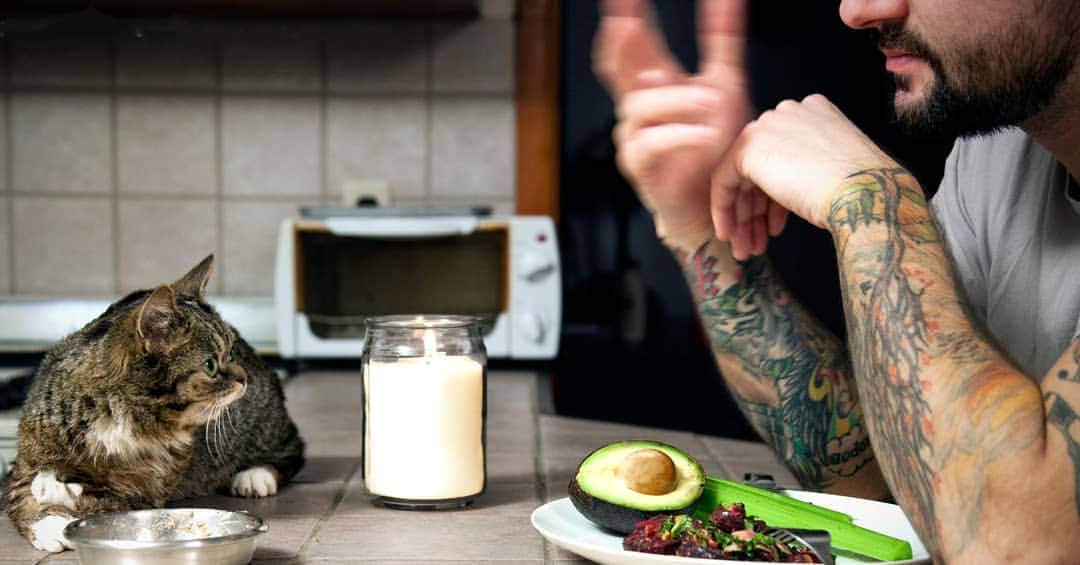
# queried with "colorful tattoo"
point(700, 272)
point(892, 335)
point(1062, 416)
point(941, 404)
point(1075, 376)
point(793, 378)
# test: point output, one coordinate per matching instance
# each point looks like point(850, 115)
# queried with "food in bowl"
point(166, 535)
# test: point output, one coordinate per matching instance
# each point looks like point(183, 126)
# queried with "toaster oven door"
point(343, 279)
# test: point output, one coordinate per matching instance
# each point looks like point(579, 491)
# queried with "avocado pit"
point(649, 471)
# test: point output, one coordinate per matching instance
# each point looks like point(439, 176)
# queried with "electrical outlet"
point(374, 192)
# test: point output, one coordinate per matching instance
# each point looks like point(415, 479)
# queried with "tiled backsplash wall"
point(125, 161)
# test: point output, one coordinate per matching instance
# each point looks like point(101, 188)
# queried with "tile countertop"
point(325, 515)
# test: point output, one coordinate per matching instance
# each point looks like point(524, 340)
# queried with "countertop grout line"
point(325, 516)
point(539, 474)
point(704, 447)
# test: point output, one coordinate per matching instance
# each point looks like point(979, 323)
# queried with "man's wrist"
point(874, 207)
point(686, 237)
point(850, 193)
point(857, 197)
point(709, 268)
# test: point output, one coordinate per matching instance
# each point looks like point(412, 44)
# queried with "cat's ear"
point(193, 284)
point(157, 318)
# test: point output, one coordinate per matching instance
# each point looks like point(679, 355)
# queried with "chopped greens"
point(728, 534)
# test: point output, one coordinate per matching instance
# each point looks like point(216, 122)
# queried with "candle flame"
point(429, 343)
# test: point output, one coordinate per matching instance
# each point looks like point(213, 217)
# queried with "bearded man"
point(962, 359)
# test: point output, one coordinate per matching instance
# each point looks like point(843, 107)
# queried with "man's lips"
point(897, 61)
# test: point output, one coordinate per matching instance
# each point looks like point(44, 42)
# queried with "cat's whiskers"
point(228, 417)
point(213, 441)
point(222, 436)
point(206, 436)
point(219, 433)
point(217, 430)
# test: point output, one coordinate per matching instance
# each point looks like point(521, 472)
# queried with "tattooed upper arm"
point(1061, 394)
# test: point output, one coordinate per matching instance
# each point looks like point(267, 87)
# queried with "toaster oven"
point(335, 267)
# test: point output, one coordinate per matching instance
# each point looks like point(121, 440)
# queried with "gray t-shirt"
point(1014, 235)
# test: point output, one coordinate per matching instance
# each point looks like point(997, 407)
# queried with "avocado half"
point(602, 493)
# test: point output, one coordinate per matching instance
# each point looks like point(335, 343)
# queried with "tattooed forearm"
point(941, 404)
point(793, 377)
point(893, 336)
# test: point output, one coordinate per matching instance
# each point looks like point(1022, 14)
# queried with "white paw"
point(47, 490)
point(47, 534)
point(256, 482)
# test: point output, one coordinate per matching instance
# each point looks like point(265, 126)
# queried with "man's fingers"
point(724, 207)
point(723, 222)
point(777, 217)
point(684, 103)
point(758, 237)
point(761, 203)
point(740, 242)
point(744, 205)
point(645, 146)
point(666, 137)
point(629, 52)
point(722, 37)
point(750, 211)
point(726, 183)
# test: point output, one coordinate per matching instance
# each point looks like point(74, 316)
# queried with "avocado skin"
point(619, 519)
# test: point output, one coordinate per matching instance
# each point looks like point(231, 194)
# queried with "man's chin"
point(912, 93)
point(912, 108)
point(914, 120)
point(906, 100)
point(909, 109)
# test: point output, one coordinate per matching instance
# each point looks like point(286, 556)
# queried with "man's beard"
point(992, 87)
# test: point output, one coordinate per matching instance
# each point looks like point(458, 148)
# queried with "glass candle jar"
point(425, 383)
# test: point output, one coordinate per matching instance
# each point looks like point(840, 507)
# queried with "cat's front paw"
point(47, 490)
point(255, 482)
point(47, 534)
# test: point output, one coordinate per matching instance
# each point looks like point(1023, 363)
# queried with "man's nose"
point(863, 14)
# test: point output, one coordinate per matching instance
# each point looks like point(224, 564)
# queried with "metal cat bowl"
point(166, 535)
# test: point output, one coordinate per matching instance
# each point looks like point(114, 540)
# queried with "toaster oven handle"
point(402, 227)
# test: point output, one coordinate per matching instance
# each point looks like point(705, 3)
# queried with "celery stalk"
point(781, 511)
point(738, 492)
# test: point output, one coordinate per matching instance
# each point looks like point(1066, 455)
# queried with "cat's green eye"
point(232, 354)
point(210, 367)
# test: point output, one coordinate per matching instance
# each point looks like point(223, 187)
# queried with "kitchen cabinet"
point(252, 8)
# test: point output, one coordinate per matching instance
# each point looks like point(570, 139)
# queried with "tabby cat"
point(155, 400)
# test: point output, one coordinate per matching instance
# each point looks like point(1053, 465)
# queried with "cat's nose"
point(241, 377)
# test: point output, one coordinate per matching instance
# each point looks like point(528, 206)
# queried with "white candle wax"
point(424, 428)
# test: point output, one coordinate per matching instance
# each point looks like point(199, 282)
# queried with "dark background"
point(632, 349)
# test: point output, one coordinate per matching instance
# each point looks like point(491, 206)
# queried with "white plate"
point(563, 525)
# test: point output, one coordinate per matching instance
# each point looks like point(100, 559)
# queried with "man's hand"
point(798, 154)
point(675, 127)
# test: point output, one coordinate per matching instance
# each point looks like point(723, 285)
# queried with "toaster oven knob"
point(532, 327)
point(535, 265)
